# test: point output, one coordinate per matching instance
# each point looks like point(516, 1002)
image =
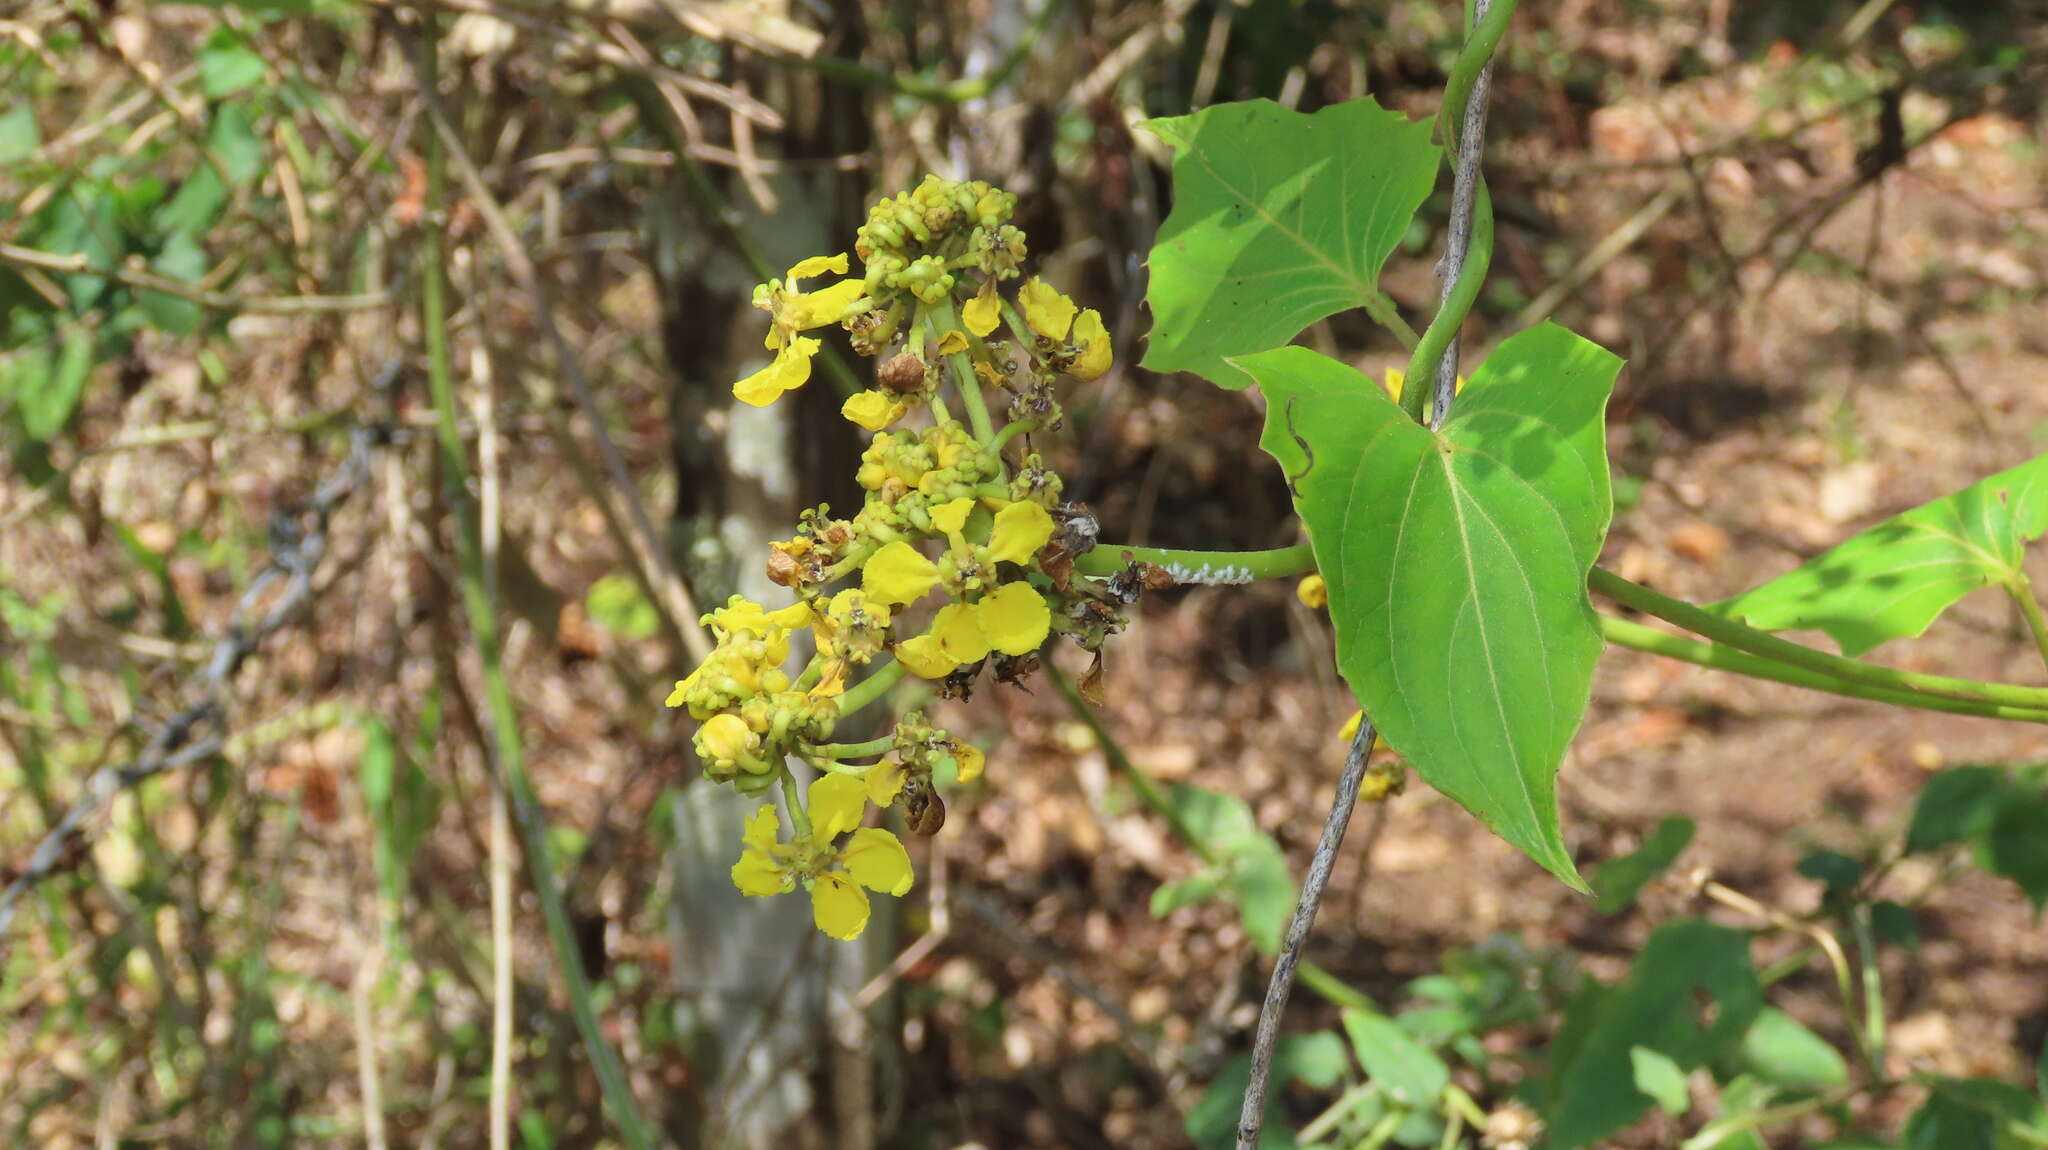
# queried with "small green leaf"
point(227, 66)
point(1262, 886)
point(1893, 923)
point(1185, 892)
point(19, 135)
point(1691, 995)
point(1972, 1114)
point(1250, 870)
point(616, 604)
point(1457, 561)
point(1619, 880)
point(1893, 580)
point(47, 404)
point(1954, 806)
point(1780, 1050)
point(1407, 1070)
point(183, 260)
point(2015, 846)
point(1315, 1059)
point(1840, 872)
point(1279, 219)
point(1657, 1076)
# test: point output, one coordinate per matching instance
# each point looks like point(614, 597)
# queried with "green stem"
point(2022, 591)
point(504, 730)
point(1420, 387)
point(871, 688)
point(1009, 431)
point(1623, 633)
point(799, 818)
point(1380, 307)
point(1744, 638)
point(1280, 562)
point(879, 746)
point(939, 320)
point(1150, 793)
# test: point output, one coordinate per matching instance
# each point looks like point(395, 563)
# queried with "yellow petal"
point(758, 875)
point(958, 630)
point(951, 516)
point(675, 696)
point(1093, 340)
point(1349, 730)
point(789, 370)
point(762, 827)
point(1395, 376)
point(885, 782)
point(951, 342)
point(969, 759)
point(1312, 591)
point(727, 736)
point(1049, 313)
point(872, 410)
point(819, 265)
point(828, 305)
point(1015, 618)
point(898, 574)
point(838, 906)
point(924, 658)
point(876, 860)
point(984, 311)
point(1020, 530)
point(836, 805)
point(831, 681)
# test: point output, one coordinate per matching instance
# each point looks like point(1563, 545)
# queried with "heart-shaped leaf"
point(1457, 560)
point(1279, 219)
point(1891, 581)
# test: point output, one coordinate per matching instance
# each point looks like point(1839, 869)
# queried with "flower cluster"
point(960, 559)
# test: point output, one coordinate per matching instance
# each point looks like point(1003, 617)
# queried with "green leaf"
point(1954, 806)
point(1892, 581)
point(19, 135)
point(1457, 561)
point(1185, 892)
point(1317, 1060)
point(1663, 1006)
point(402, 803)
point(1619, 880)
point(1894, 923)
point(183, 260)
point(1407, 1070)
point(1279, 219)
point(1972, 1114)
point(616, 604)
point(2015, 846)
point(1657, 1076)
point(1780, 1050)
point(1250, 870)
point(227, 66)
point(1840, 872)
point(46, 404)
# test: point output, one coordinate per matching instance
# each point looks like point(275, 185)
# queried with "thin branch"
point(298, 543)
point(1465, 190)
point(134, 276)
point(1253, 1115)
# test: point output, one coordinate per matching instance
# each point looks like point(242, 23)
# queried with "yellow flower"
point(1048, 312)
point(1349, 731)
point(1013, 619)
point(792, 311)
point(873, 859)
point(763, 868)
point(1312, 591)
point(1021, 529)
point(836, 805)
point(968, 759)
point(898, 574)
point(1093, 340)
point(884, 782)
point(983, 311)
point(950, 516)
point(849, 627)
point(1395, 377)
point(951, 342)
point(741, 614)
point(923, 657)
point(728, 737)
point(873, 409)
point(790, 370)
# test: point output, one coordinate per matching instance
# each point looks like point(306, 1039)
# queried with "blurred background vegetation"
point(232, 639)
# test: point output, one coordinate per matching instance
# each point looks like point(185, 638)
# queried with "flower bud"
point(903, 374)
